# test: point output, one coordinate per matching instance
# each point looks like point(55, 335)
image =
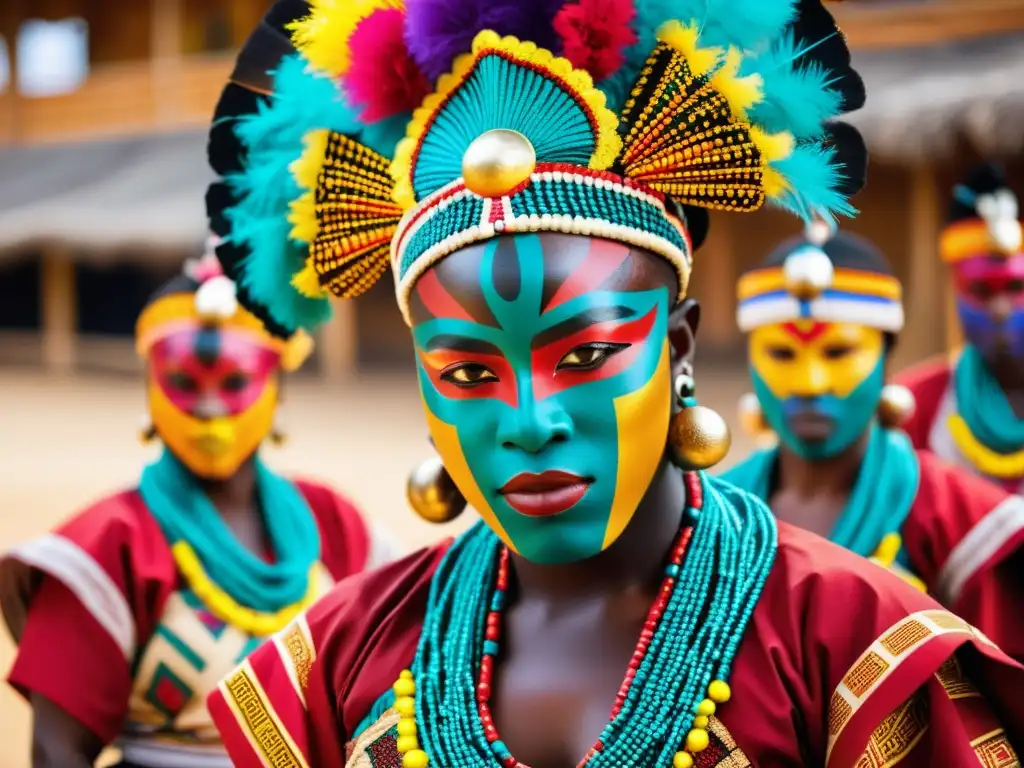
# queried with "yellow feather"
point(775, 184)
point(773, 146)
point(323, 36)
point(306, 169)
point(307, 282)
point(302, 217)
point(741, 92)
point(296, 351)
point(686, 40)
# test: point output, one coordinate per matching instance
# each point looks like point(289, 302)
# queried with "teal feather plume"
point(302, 101)
point(815, 178)
point(797, 96)
point(748, 25)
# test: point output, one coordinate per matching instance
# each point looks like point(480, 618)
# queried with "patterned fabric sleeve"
point(945, 721)
point(89, 591)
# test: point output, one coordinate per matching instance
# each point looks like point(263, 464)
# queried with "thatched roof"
point(143, 194)
point(923, 101)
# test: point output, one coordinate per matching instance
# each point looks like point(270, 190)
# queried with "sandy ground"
point(68, 441)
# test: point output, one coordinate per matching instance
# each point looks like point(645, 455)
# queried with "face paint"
point(818, 383)
point(990, 302)
point(550, 415)
point(212, 396)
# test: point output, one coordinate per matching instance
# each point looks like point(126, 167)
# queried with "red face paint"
point(805, 334)
point(549, 380)
point(224, 383)
point(980, 279)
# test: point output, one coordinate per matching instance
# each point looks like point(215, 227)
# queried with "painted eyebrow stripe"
point(459, 343)
point(438, 301)
point(580, 322)
point(601, 261)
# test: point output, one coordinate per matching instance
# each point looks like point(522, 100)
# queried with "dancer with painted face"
point(822, 316)
point(971, 411)
point(615, 606)
point(127, 615)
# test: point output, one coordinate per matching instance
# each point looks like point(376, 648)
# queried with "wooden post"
point(714, 285)
point(339, 344)
point(59, 310)
point(923, 290)
point(166, 34)
point(10, 22)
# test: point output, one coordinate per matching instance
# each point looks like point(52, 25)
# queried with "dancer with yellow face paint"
point(822, 316)
point(127, 614)
point(537, 177)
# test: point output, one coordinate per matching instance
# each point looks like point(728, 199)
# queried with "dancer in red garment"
point(970, 410)
point(538, 175)
point(126, 615)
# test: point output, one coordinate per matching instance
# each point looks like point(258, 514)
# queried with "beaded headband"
point(397, 135)
point(808, 286)
point(212, 304)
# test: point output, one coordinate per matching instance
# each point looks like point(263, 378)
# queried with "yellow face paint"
point(811, 359)
point(213, 448)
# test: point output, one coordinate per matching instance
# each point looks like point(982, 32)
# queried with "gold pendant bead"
point(895, 406)
point(432, 493)
point(808, 273)
point(497, 162)
point(699, 438)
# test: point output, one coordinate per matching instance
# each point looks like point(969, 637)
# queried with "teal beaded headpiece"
point(396, 132)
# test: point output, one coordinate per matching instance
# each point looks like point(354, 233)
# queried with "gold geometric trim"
point(880, 659)
point(897, 735)
point(953, 681)
point(865, 674)
point(994, 750)
point(906, 636)
point(297, 652)
point(258, 720)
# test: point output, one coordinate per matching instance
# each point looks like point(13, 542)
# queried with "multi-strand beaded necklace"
point(675, 680)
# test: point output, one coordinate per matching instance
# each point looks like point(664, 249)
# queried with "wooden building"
point(110, 176)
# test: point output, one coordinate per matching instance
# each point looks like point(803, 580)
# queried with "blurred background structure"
point(103, 110)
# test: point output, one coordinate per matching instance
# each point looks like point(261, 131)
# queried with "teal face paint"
point(850, 415)
point(527, 408)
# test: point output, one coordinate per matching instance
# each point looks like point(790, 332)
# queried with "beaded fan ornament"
point(801, 281)
point(396, 132)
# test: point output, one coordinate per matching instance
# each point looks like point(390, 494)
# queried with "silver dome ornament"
point(808, 273)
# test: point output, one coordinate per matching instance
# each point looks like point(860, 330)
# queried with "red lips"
point(546, 494)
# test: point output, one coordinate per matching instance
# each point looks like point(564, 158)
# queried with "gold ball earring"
point(432, 493)
point(895, 406)
point(278, 437)
point(698, 437)
point(147, 432)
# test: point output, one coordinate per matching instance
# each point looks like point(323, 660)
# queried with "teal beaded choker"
point(716, 572)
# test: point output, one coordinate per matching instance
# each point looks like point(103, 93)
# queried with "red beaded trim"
point(695, 497)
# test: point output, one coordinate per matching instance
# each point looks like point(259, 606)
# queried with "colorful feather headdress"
point(360, 133)
point(984, 218)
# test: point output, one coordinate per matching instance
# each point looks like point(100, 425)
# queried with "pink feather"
point(383, 79)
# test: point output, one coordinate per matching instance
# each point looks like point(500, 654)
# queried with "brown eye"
point(181, 381)
point(837, 352)
point(468, 375)
point(586, 357)
point(235, 382)
point(1015, 285)
point(781, 354)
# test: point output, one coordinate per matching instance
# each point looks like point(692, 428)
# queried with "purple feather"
point(438, 31)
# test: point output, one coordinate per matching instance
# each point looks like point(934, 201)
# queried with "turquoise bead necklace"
point(712, 582)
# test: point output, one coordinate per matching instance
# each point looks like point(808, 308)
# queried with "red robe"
point(843, 665)
point(935, 397)
point(84, 602)
point(964, 538)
